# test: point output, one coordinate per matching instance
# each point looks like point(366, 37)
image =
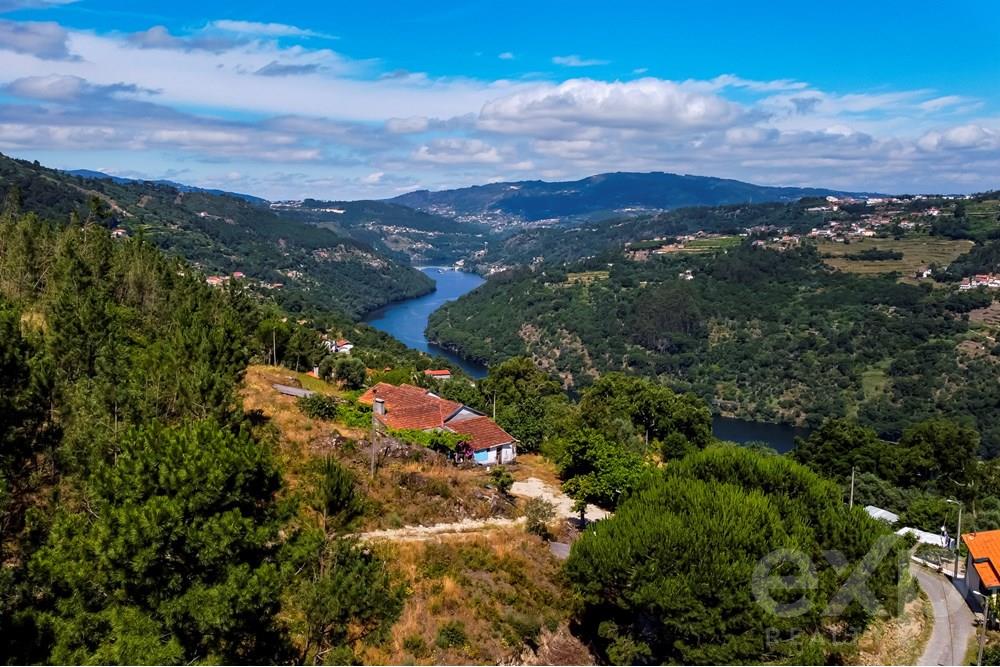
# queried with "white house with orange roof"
point(982, 567)
point(407, 406)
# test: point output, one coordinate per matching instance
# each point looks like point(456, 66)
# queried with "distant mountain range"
point(317, 268)
point(90, 173)
point(595, 196)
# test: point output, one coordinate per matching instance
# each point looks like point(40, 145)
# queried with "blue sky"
point(353, 100)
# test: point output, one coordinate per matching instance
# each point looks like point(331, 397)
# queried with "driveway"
point(953, 621)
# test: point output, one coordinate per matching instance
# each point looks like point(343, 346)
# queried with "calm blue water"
point(777, 436)
point(406, 321)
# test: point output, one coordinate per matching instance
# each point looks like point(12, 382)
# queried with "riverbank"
point(407, 322)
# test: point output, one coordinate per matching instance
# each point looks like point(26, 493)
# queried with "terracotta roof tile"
point(483, 432)
point(984, 547)
point(411, 407)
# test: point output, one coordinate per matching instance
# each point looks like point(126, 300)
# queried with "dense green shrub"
point(451, 634)
point(669, 578)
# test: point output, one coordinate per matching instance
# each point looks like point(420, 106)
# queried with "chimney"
point(379, 407)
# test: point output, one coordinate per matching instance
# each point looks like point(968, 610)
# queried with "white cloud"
point(962, 137)
point(576, 61)
point(506, 55)
point(412, 125)
point(586, 103)
point(56, 87)
point(457, 151)
point(266, 29)
point(943, 102)
point(348, 126)
point(43, 40)
point(14, 5)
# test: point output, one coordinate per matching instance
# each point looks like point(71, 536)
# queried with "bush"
point(538, 512)
point(451, 634)
point(523, 629)
point(354, 414)
point(416, 645)
point(649, 595)
point(319, 406)
point(502, 479)
point(350, 372)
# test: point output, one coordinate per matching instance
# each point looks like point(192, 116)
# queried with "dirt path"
point(953, 621)
point(536, 488)
point(529, 488)
point(423, 533)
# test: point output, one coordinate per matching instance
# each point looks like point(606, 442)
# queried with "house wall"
point(502, 454)
point(972, 581)
point(486, 456)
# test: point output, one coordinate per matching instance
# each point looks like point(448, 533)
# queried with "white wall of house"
point(502, 454)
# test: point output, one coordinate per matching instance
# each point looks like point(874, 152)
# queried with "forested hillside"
point(317, 269)
point(394, 230)
point(761, 334)
point(569, 243)
point(145, 517)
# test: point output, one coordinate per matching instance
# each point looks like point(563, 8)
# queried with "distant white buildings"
point(987, 280)
point(338, 346)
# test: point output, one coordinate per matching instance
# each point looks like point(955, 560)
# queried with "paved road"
point(953, 621)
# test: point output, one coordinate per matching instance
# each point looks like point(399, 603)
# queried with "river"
point(406, 321)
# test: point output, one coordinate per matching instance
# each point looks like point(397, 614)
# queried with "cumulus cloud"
point(578, 61)
point(44, 40)
point(644, 103)
point(962, 137)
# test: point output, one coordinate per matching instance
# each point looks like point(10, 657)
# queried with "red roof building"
point(410, 407)
point(982, 569)
point(443, 374)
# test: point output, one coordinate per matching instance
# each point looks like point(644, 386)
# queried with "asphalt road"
point(953, 621)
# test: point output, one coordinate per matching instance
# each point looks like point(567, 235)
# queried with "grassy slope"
point(504, 586)
point(919, 252)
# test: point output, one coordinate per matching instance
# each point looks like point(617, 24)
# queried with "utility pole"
point(958, 537)
point(986, 623)
point(851, 502)
point(378, 408)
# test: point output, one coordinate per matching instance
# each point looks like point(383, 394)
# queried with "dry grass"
point(420, 490)
point(898, 641)
point(990, 315)
point(423, 493)
point(918, 253)
point(537, 466)
point(502, 586)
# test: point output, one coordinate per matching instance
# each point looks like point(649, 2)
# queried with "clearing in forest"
point(918, 254)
